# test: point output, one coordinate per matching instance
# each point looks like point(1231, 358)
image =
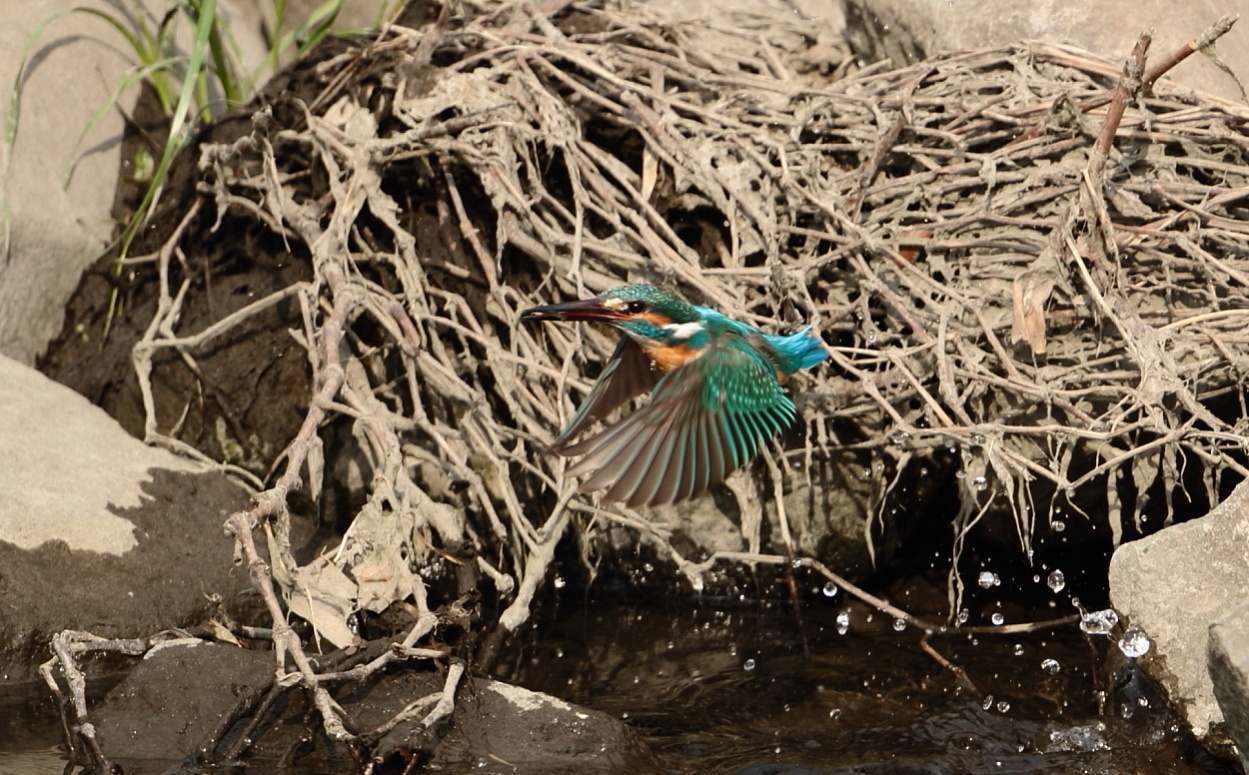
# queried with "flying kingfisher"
point(715, 394)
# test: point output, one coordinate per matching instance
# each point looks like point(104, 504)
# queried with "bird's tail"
point(796, 351)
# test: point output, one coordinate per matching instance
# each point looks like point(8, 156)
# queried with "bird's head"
point(644, 312)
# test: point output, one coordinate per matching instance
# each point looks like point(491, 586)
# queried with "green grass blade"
point(312, 29)
point(133, 40)
point(195, 65)
point(130, 79)
point(223, 68)
point(274, 58)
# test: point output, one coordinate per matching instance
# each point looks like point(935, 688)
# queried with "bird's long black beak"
point(592, 310)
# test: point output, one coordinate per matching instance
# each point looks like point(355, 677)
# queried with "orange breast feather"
point(665, 358)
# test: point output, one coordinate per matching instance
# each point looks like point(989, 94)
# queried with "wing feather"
point(705, 418)
point(628, 373)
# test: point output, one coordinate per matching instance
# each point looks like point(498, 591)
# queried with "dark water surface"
point(719, 687)
point(752, 690)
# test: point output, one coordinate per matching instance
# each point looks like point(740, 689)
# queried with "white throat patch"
point(683, 331)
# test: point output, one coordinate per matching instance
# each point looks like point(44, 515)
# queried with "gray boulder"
point(1173, 585)
point(98, 531)
point(907, 31)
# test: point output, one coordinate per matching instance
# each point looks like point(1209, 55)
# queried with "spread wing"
point(705, 419)
point(628, 373)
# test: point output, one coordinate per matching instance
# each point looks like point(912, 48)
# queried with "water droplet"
point(1056, 580)
point(830, 589)
point(748, 665)
point(835, 713)
point(988, 702)
point(698, 584)
point(960, 474)
point(1089, 737)
point(1050, 666)
point(1002, 706)
point(843, 622)
point(963, 616)
point(732, 649)
point(1019, 649)
point(976, 439)
point(988, 579)
point(980, 483)
point(997, 619)
point(900, 437)
point(899, 625)
point(648, 567)
point(1098, 622)
point(1134, 643)
point(559, 582)
point(1058, 526)
point(1071, 493)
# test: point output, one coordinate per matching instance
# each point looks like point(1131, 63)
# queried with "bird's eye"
point(635, 306)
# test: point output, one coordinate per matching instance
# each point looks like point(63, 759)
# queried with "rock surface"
point(170, 704)
point(97, 530)
point(907, 31)
point(65, 463)
point(55, 224)
point(1228, 655)
point(1173, 585)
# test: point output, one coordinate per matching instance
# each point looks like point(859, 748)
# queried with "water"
point(722, 688)
point(30, 735)
point(753, 691)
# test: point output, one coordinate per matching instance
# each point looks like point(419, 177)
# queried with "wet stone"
point(169, 706)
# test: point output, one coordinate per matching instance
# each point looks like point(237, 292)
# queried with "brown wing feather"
point(628, 373)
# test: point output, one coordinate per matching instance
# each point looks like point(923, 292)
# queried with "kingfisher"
point(715, 394)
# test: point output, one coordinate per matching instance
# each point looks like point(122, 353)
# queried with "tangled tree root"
point(1064, 316)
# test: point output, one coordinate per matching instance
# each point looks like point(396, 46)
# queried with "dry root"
point(1068, 320)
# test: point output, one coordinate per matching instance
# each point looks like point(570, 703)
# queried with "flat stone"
point(907, 31)
point(1173, 585)
point(98, 531)
point(172, 701)
point(535, 732)
point(67, 467)
point(55, 224)
point(1228, 661)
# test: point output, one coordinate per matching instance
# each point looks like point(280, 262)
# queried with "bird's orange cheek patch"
point(655, 319)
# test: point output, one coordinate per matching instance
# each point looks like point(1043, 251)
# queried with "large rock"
point(50, 232)
point(97, 530)
point(907, 31)
point(169, 705)
point(1174, 584)
point(1228, 656)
